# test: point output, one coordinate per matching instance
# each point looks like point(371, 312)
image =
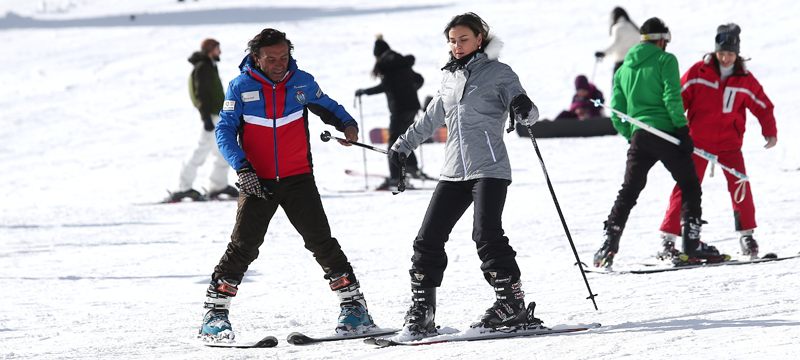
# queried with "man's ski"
point(652, 268)
point(484, 334)
point(297, 338)
point(267, 342)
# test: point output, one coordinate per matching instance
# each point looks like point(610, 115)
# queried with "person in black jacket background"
point(400, 84)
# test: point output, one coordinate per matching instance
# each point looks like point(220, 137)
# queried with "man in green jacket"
point(647, 87)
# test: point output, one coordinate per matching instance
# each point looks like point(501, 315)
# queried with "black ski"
point(487, 334)
point(297, 338)
point(651, 268)
point(267, 342)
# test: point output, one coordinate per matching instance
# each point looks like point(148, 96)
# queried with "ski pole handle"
point(326, 136)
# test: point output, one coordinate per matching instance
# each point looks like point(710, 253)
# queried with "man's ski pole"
point(326, 136)
point(738, 195)
point(561, 215)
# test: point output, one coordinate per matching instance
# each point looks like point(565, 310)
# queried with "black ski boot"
point(509, 308)
point(190, 194)
point(748, 244)
point(605, 256)
point(419, 317)
point(694, 249)
point(668, 250)
point(228, 192)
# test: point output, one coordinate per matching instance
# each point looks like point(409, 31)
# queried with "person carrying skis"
point(624, 35)
point(263, 134)
point(716, 92)
point(400, 83)
point(476, 95)
point(205, 89)
point(647, 87)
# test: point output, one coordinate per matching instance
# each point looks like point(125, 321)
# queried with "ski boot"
point(509, 308)
point(668, 250)
point(748, 244)
point(228, 192)
point(694, 250)
point(605, 256)
point(216, 326)
point(354, 317)
point(419, 317)
point(190, 194)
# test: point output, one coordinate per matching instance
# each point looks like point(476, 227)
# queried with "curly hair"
point(267, 37)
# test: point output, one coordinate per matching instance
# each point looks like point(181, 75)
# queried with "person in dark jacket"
point(647, 87)
point(205, 89)
point(582, 106)
point(400, 84)
point(263, 134)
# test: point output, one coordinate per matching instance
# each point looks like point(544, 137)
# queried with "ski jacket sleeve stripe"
point(423, 128)
point(330, 111)
point(672, 91)
point(230, 120)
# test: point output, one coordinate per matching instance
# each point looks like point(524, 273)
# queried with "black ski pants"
point(645, 150)
point(300, 199)
point(398, 124)
point(449, 202)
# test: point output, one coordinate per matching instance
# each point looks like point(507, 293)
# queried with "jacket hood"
point(391, 60)
point(198, 57)
point(642, 53)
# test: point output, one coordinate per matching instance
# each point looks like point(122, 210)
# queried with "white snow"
point(96, 118)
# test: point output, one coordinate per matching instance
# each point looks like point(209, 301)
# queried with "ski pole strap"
point(700, 152)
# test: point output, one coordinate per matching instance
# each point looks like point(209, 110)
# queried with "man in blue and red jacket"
point(263, 134)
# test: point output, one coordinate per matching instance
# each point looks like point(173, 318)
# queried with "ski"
point(297, 338)
point(267, 342)
point(654, 268)
point(484, 334)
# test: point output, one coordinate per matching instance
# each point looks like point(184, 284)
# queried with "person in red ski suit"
point(716, 92)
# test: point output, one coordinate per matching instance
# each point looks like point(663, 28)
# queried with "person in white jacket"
point(624, 34)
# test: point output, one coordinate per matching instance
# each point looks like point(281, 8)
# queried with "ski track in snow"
point(96, 119)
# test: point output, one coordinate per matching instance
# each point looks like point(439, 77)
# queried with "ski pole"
point(326, 136)
point(363, 152)
point(592, 295)
point(594, 69)
point(739, 194)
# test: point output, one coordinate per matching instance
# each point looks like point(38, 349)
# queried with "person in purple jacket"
point(582, 107)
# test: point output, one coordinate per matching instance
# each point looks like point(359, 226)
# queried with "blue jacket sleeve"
point(331, 112)
point(227, 131)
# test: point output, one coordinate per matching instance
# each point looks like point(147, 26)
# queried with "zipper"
point(275, 130)
point(490, 145)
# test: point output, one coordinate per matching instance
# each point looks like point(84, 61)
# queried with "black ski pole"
point(326, 136)
point(561, 215)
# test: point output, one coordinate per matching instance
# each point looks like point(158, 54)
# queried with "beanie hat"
point(582, 83)
point(208, 44)
point(655, 29)
point(380, 46)
point(727, 38)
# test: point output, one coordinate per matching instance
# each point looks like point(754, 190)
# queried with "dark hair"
point(207, 45)
point(619, 13)
point(267, 37)
point(738, 64)
point(473, 22)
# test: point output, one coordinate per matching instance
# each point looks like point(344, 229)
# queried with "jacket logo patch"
point(229, 105)
point(471, 89)
point(319, 93)
point(300, 96)
point(251, 96)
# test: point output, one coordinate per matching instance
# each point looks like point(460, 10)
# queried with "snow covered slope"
point(95, 118)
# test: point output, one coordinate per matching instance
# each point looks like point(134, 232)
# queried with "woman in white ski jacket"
point(477, 94)
point(624, 34)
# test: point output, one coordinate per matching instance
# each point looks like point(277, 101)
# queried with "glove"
point(208, 125)
point(360, 92)
point(599, 54)
point(396, 158)
point(249, 184)
point(523, 110)
point(687, 145)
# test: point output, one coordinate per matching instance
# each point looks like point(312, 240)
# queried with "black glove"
point(687, 145)
point(396, 158)
point(249, 184)
point(599, 54)
point(521, 106)
point(360, 92)
point(208, 125)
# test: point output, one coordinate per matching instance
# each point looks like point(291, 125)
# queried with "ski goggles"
point(657, 36)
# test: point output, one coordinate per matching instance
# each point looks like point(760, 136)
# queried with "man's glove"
point(208, 125)
point(360, 92)
point(396, 158)
point(687, 145)
point(249, 184)
point(599, 54)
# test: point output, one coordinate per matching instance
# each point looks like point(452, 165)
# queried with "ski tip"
point(770, 256)
point(267, 342)
point(297, 338)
